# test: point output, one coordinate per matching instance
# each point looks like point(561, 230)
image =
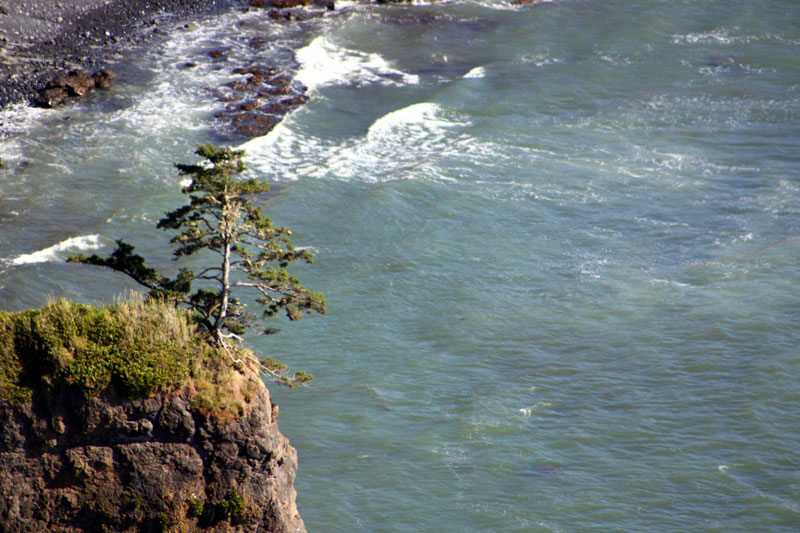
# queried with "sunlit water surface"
point(560, 246)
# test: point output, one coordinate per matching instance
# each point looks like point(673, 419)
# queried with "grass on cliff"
point(139, 347)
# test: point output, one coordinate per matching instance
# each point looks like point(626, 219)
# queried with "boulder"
point(258, 125)
point(78, 83)
point(51, 97)
point(283, 4)
point(103, 78)
point(296, 100)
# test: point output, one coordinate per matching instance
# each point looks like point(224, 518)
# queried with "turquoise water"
point(559, 244)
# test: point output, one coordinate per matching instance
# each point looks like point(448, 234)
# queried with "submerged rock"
point(147, 464)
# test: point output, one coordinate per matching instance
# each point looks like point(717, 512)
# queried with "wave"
point(477, 72)
point(399, 145)
point(73, 244)
point(323, 63)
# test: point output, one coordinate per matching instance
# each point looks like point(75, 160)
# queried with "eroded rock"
point(69, 463)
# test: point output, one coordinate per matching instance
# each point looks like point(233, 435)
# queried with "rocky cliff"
point(68, 463)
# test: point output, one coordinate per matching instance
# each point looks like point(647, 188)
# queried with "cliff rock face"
point(151, 464)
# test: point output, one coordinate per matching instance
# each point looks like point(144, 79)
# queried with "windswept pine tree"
point(247, 252)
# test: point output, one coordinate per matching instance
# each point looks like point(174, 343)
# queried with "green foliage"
point(272, 364)
point(246, 251)
point(302, 377)
point(139, 346)
point(196, 507)
point(231, 505)
point(162, 521)
point(131, 500)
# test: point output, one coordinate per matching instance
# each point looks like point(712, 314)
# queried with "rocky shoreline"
point(43, 39)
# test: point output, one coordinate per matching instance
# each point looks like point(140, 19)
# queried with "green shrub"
point(196, 507)
point(162, 521)
point(141, 346)
point(232, 504)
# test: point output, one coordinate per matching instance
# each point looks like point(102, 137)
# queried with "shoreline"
point(41, 39)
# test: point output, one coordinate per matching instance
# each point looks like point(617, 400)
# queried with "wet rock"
point(258, 126)
point(722, 61)
point(103, 78)
point(244, 117)
point(275, 91)
point(257, 71)
point(274, 108)
point(248, 106)
point(296, 100)
point(52, 97)
point(330, 5)
point(280, 81)
point(283, 4)
point(77, 83)
point(237, 85)
point(257, 42)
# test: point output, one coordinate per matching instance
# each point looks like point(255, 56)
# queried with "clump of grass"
point(141, 346)
point(231, 505)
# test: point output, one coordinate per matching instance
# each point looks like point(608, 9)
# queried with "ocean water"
point(560, 245)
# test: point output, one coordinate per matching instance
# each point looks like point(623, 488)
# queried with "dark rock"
point(275, 91)
point(248, 106)
point(51, 97)
point(259, 125)
point(722, 61)
point(236, 85)
point(296, 100)
point(103, 78)
point(256, 71)
point(280, 81)
point(245, 117)
point(189, 64)
point(260, 3)
point(283, 4)
point(73, 464)
point(275, 108)
point(79, 83)
point(215, 54)
point(330, 5)
point(257, 42)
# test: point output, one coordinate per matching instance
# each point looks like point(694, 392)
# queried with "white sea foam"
point(531, 408)
point(395, 146)
point(73, 244)
point(477, 72)
point(325, 63)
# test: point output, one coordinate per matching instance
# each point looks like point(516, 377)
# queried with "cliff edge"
point(68, 463)
point(124, 418)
